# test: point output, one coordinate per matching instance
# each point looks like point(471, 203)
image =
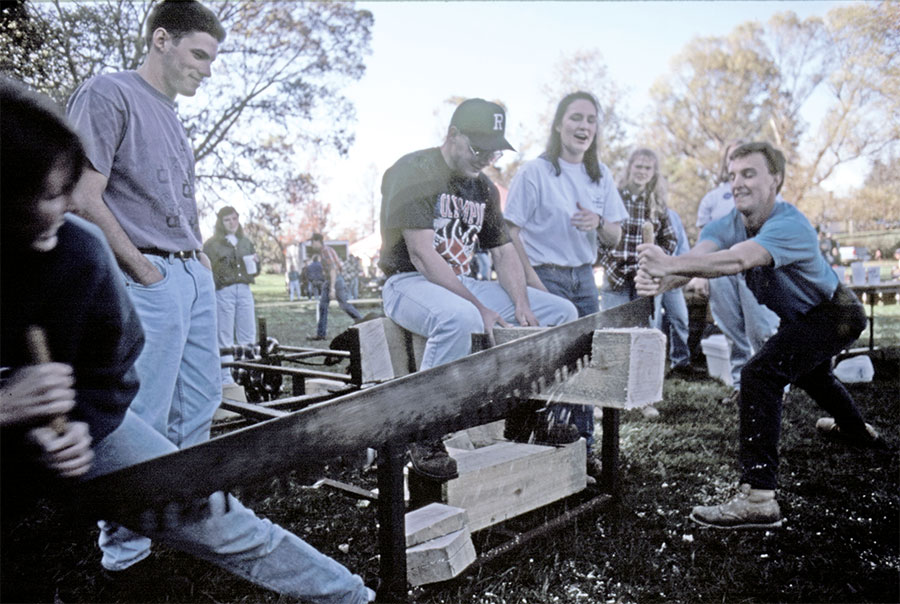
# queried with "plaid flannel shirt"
point(621, 263)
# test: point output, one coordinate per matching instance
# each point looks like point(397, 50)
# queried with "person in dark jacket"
point(234, 265)
point(59, 273)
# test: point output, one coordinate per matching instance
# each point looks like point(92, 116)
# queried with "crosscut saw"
point(470, 391)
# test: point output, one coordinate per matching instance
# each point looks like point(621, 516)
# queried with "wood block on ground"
point(234, 392)
point(440, 559)
point(384, 350)
point(506, 479)
point(323, 386)
point(625, 371)
point(433, 521)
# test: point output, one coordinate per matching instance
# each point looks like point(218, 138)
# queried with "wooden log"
point(433, 521)
point(625, 371)
point(440, 559)
point(385, 348)
point(507, 479)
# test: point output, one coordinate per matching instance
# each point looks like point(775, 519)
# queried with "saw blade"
point(470, 391)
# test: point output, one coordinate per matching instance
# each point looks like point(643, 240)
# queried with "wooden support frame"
point(473, 390)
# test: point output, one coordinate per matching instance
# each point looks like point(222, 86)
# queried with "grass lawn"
point(839, 542)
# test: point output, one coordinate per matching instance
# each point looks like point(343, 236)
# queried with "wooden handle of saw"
point(39, 352)
point(647, 234)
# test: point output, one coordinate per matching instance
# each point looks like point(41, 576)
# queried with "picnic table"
point(887, 292)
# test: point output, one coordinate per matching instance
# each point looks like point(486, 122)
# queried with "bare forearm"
point(609, 234)
point(716, 264)
point(531, 277)
point(511, 273)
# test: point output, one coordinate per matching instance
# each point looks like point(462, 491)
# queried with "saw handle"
point(39, 353)
point(647, 232)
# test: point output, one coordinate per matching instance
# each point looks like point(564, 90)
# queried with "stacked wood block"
point(505, 479)
point(438, 544)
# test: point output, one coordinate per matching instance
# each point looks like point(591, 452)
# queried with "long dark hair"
point(554, 144)
point(220, 231)
point(36, 139)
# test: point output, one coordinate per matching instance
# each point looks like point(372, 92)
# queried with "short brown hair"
point(183, 17)
point(774, 158)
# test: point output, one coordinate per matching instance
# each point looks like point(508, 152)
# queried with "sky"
point(425, 52)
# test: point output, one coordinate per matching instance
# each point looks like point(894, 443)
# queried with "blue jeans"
point(230, 535)
point(293, 290)
point(611, 298)
point(179, 371)
point(799, 353)
point(483, 260)
point(448, 321)
point(744, 321)
point(577, 286)
point(674, 324)
point(340, 291)
point(236, 319)
point(314, 289)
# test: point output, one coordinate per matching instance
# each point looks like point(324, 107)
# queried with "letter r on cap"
point(498, 121)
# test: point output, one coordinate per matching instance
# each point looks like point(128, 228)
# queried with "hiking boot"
point(828, 428)
point(740, 512)
point(650, 412)
point(555, 434)
point(685, 371)
point(520, 423)
point(732, 399)
point(430, 459)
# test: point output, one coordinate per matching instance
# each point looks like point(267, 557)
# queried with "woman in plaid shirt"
point(644, 194)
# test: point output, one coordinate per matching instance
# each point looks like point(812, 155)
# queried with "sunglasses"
point(483, 155)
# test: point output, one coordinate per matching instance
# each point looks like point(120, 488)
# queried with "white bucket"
point(718, 357)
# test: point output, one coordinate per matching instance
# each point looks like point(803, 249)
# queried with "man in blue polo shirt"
point(776, 248)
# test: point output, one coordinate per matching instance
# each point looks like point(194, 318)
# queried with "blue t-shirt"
point(799, 278)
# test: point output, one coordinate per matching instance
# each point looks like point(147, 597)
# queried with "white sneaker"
point(650, 412)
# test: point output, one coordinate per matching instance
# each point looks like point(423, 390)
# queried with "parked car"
point(852, 253)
